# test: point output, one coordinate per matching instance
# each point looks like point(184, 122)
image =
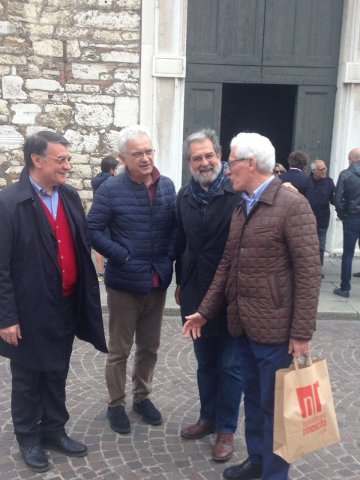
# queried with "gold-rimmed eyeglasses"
point(137, 155)
point(60, 160)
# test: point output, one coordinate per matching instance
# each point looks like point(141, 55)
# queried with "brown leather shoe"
point(198, 430)
point(223, 448)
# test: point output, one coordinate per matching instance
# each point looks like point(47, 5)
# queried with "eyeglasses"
point(137, 155)
point(231, 162)
point(321, 169)
point(199, 158)
point(277, 172)
point(60, 160)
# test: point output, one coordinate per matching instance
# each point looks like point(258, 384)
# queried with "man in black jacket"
point(324, 192)
point(347, 204)
point(204, 208)
point(48, 294)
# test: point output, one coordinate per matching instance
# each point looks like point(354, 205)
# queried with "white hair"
point(248, 145)
point(129, 134)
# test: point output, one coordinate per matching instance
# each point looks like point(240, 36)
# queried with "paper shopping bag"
point(304, 413)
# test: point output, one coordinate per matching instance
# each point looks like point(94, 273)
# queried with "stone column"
point(347, 107)
point(162, 82)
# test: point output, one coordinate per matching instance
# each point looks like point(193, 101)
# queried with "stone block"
point(82, 143)
point(127, 74)
point(13, 59)
point(93, 115)
point(25, 113)
point(7, 28)
point(43, 84)
point(58, 116)
point(48, 48)
point(10, 138)
point(91, 88)
point(107, 20)
point(73, 87)
point(100, 99)
point(120, 57)
point(81, 171)
point(133, 4)
point(126, 111)
point(73, 49)
point(4, 110)
point(78, 158)
point(89, 71)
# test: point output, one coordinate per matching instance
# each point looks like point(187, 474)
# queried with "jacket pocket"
point(274, 291)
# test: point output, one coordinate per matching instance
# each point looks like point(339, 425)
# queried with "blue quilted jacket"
point(142, 236)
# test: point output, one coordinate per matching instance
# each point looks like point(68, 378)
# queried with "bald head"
point(354, 156)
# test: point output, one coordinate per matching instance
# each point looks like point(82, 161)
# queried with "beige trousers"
point(132, 317)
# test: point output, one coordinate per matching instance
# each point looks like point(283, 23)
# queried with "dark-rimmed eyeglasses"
point(232, 162)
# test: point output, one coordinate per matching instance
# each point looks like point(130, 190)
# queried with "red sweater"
point(66, 249)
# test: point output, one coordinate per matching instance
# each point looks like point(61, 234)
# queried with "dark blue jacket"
point(300, 181)
point(324, 194)
point(99, 179)
point(30, 278)
point(142, 236)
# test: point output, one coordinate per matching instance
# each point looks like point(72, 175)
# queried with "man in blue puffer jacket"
point(138, 208)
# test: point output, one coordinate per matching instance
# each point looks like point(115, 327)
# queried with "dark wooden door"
point(283, 42)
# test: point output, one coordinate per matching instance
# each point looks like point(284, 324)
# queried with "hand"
point(177, 294)
point(299, 348)
point(11, 335)
point(193, 324)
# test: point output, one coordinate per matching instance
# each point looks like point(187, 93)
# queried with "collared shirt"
point(51, 201)
point(251, 201)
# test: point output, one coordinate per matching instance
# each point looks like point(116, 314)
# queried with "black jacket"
point(347, 193)
point(99, 179)
point(30, 278)
point(200, 248)
point(324, 194)
point(300, 181)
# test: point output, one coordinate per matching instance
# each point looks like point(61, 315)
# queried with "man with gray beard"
point(204, 209)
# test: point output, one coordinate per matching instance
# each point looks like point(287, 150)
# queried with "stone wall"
point(72, 66)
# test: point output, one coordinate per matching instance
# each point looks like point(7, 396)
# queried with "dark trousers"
point(219, 381)
point(38, 397)
point(351, 234)
point(259, 363)
point(322, 242)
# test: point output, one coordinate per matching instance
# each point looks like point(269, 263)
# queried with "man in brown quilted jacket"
point(269, 277)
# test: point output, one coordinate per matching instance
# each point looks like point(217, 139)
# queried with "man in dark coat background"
point(204, 208)
point(296, 175)
point(48, 294)
point(324, 193)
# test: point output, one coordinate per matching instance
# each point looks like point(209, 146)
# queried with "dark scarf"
point(202, 196)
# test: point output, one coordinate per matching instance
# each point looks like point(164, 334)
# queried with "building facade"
point(87, 68)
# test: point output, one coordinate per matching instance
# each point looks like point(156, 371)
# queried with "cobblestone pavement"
point(158, 453)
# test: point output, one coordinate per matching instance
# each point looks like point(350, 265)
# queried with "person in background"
point(204, 208)
point(324, 194)
point(296, 174)
point(139, 209)
point(278, 169)
point(269, 277)
point(108, 166)
point(48, 294)
point(347, 204)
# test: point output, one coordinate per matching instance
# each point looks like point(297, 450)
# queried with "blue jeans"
point(351, 234)
point(219, 381)
point(259, 363)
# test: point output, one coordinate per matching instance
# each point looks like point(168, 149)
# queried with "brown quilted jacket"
point(270, 272)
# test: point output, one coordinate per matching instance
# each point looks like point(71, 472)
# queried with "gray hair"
point(248, 145)
point(200, 136)
point(354, 155)
point(129, 134)
point(313, 164)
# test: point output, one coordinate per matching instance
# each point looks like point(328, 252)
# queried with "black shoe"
point(149, 413)
point(244, 471)
point(118, 419)
point(356, 275)
point(34, 457)
point(341, 293)
point(64, 444)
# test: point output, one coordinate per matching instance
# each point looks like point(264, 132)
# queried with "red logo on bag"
point(309, 400)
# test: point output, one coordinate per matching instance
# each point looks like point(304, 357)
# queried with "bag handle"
point(307, 363)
